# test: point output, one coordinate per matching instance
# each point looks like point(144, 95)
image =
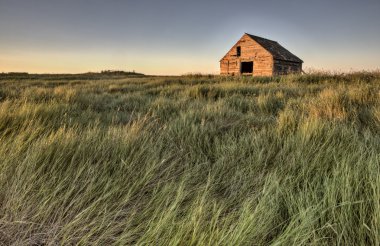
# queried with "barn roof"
point(278, 52)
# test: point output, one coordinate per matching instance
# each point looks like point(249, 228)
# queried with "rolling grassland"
point(190, 160)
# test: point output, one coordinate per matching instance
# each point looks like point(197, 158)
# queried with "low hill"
point(82, 76)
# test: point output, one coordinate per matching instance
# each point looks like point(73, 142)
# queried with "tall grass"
point(192, 160)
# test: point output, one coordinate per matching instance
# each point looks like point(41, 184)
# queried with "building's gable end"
point(251, 54)
point(241, 42)
point(232, 48)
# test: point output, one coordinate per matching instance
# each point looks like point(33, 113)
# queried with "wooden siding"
point(286, 67)
point(250, 51)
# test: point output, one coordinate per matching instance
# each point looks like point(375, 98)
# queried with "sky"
point(171, 37)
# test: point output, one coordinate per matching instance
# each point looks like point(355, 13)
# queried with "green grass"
point(191, 160)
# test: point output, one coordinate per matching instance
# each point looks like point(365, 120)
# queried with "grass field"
point(191, 160)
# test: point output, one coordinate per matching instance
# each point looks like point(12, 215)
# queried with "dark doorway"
point(246, 67)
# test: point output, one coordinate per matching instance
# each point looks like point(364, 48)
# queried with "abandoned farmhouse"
point(256, 56)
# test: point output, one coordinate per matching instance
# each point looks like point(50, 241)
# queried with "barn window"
point(246, 67)
point(238, 51)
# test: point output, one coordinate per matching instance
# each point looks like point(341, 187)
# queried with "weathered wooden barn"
point(256, 56)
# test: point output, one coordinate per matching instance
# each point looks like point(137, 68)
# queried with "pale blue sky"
point(177, 37)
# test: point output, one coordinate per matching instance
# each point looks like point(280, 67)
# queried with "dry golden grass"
point(192, 160)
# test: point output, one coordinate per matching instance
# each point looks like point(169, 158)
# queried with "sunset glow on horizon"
point(177, 37)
